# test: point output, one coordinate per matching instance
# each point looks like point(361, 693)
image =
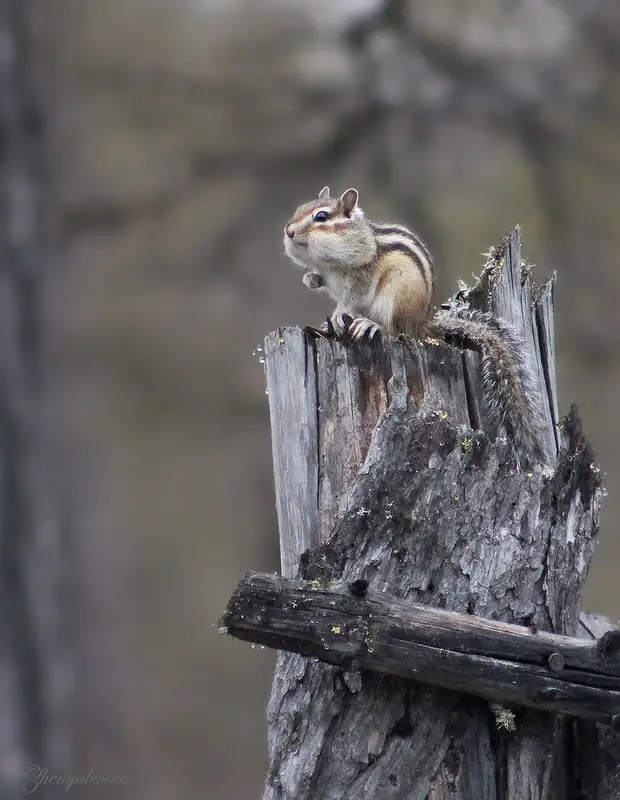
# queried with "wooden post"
point(380, 477)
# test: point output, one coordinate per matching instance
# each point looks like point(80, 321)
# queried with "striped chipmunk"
point(382, 276)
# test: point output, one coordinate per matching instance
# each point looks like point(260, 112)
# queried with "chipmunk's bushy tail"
point(511, 393)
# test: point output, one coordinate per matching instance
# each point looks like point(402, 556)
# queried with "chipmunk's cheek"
point(319, 246)
point(293, 246)
point(296, 253)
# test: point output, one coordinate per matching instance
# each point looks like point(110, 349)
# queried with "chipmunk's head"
point(329, 231)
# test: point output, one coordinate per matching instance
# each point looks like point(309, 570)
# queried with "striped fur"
point(397, 237)
point(511, 393)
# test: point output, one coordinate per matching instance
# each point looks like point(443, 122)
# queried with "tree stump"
point(382, 475)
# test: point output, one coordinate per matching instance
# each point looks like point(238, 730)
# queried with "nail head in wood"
point(555, 662)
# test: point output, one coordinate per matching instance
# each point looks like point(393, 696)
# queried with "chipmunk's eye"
point(321, 216)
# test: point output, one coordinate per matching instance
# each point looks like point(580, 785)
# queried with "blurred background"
point(151, 151)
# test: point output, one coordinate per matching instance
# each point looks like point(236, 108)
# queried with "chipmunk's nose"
point(290, 231)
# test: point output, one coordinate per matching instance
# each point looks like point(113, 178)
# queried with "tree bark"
point(380, 476)
point(34, 674)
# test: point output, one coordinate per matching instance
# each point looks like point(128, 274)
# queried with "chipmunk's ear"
point(324, 193)
point(348, 201)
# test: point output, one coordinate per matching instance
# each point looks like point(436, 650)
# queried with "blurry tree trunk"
point(33, 676)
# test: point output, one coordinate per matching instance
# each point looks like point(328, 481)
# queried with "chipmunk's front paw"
point(340, 321)
point(361, 327)
point(312, 280)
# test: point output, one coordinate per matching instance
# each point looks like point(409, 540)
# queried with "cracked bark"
point(380, 476)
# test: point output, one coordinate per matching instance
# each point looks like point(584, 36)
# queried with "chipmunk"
point(382, 276)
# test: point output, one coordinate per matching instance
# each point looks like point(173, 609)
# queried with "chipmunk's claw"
point(340, 322)
point(362, 327)
point(343, 326)
point(324, 331)
point(318, 333)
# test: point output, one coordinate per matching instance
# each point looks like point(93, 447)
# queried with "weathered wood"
point(291, 385)
point(407, 496)
point(322, 392)
point(596, 747)
point(543, 304)
point(502, 662)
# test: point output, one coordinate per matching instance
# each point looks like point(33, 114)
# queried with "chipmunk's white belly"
point(381, 309)
point(377, 306)
point(336, 284)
